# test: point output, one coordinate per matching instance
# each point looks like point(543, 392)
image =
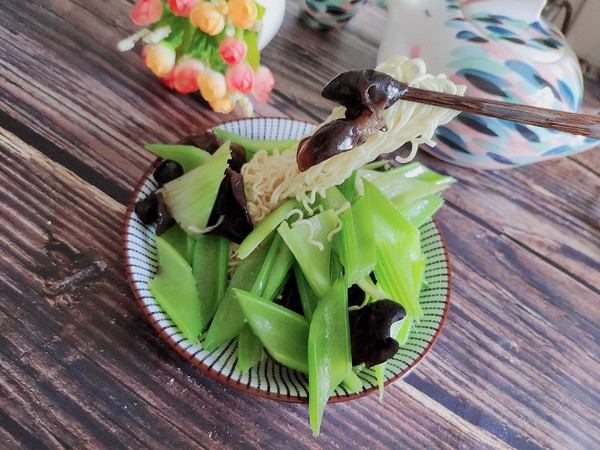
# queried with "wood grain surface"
point(517, 364)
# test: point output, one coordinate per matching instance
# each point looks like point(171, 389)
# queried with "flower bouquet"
point(208, 46)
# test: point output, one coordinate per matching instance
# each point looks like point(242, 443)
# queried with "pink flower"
point(263, 84)
point(233, 50)
point(146, 12)
point(169, 80)
point(185, 75)
point(240, 77)
point(182, 7)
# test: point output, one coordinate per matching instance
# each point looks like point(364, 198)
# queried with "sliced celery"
point(418, 270)
point(181, 241)
point(355, 242)
point(229, 319)
point(265, 227)
point(403, 331)
point(174, 288)
point(251, 146)
point(329, 357)
point(389, 224)
point(333, 199)
point(353, 383)
point(379, 372)
point(191, 197)
point(409, 183)
point(284, 333)
point(348, 188)
point(284, 260)
point(421, 210)
point(308, 299)
point(314, 261)
point(209, 265)
point(188, 156)
point(250, 349)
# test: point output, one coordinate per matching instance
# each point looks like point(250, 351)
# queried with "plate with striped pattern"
point(268, 378)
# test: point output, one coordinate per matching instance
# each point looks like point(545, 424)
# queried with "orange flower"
point(242, 13)
point(207, 17)
point(160, 58)
point(212, 85)
point(222, 105)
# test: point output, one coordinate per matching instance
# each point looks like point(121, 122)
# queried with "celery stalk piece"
point(251, 146)
point(421, 210)
point(388, 223)
point(191, 197)
point(418, 270)
point(308, 298)
point(409, 183)
point(348, 188)
point(401, 331)
point(250, 349)
point(209, 265)
point(333, 199)
point(264, 228)
point(329, 357)
point(228, 320)
point(314, 261)
point(355, 243)
point(174, 288)
point(181, 241)
point(284, 333)
point(369, 175)
point(379, 372)
point(188, 156)
point(249, 345)
point(284, 260)
point(353, 383)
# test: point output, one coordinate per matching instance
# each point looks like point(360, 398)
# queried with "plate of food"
point(291, 261)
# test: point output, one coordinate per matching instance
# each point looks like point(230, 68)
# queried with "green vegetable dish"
point(325, 281)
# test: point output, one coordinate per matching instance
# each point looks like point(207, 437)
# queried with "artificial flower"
point(182, 8)
point(233, 50)
point(223, 105)
point(242, 13)
point(159, 58)
point(146, 12)
point(212, 85)
point(207, 17)
point(263, 83)
point(185, 75)
point(240, 78)
point(222, 6)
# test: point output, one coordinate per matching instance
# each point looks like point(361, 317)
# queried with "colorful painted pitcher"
point(500, 49)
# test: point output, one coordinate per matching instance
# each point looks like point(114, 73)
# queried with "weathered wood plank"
point(81, 366)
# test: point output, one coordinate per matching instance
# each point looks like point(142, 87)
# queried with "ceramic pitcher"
point(500, 49)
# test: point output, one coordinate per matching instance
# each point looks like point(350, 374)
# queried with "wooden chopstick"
point(581, 124)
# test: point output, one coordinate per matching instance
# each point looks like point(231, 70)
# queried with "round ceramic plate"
point(268, 378)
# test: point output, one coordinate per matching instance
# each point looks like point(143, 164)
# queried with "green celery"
point(348, 188)
point(191, 197)
point(188, 156)
point(379, 373)
point(265, 227)
point(209, 265)
point(418, 271)
point(181, 241)
point(251, 146)
point(284, 260)
point(421, 210)
point(228, 320)
point(308, 299)
point(314, 262)
point(329, 357)
point(355, 243)
point(353, 383)
point(333, 199)
point(250, 349)
point(284, 333)
point(174, 289)
point(401, 330)
point(249, 346)
point(409, 183)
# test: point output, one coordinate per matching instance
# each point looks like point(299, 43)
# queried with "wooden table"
point(517, 363)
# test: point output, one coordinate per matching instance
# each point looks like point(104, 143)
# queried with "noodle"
point(270, 180)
